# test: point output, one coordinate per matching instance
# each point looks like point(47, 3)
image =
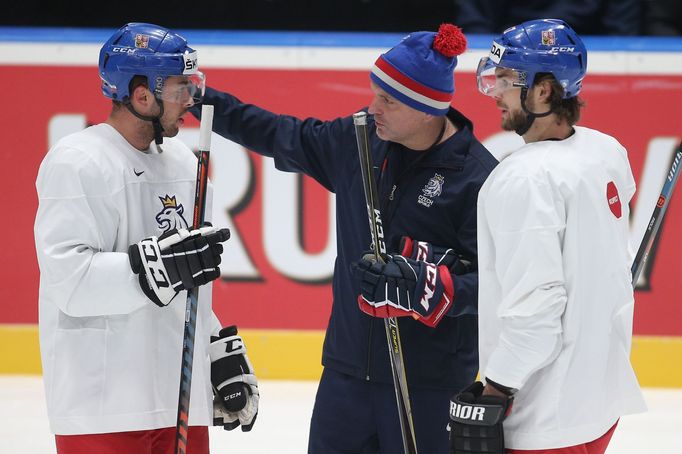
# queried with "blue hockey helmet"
point(537, 46)
point(147, 50)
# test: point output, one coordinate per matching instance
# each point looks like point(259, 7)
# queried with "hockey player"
point(556, 299)
point(430, 168)
point(116, 256)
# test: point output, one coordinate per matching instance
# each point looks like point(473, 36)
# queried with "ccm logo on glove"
point(177, 260)
point(235, 385)
point(404, 287)
point(234, 344)
point(423, 251)
point(429, 285)
point(155, 268)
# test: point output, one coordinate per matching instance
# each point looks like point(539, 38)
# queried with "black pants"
point(354, 416)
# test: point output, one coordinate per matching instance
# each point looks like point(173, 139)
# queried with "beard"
point(514, 120)
point(517, 118)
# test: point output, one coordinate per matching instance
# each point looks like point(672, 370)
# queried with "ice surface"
point(284, 420)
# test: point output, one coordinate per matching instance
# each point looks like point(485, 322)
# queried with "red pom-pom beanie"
point(419, 71)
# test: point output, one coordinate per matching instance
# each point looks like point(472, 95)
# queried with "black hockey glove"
point(476, 421)
point(402, 287)
point(177, 260)
point(438, 255)
point(235, 386)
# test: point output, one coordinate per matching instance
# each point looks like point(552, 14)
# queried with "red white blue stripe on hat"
point(435, 99)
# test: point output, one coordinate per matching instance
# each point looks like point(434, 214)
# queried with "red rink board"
point(635, 109)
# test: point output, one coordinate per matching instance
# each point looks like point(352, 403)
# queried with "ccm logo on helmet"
point(469, 412)
point(562, 49)
point(123, 50)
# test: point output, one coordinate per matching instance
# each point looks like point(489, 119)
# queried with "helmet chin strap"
point(156, 121)
point(530, 116)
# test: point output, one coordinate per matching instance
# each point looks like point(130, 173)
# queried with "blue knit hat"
point(419, 70)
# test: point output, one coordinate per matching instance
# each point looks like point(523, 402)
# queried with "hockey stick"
point(657, 216)
point(379, 248)
point(182, 422)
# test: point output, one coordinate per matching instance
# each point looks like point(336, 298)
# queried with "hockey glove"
point(177, 260)
point(438, 255)
point(402, 287)
point(476, 421)
point(235, 386)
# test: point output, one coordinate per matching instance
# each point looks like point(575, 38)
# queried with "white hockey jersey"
point(111, 358)
point(555, 296)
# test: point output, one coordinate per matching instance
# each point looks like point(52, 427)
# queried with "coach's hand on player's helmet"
point(235, 387)
point(177, 260)
point(402, 287)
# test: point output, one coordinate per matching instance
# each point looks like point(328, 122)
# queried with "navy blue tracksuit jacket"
point(355, 343)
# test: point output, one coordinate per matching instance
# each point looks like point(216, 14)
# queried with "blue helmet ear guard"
point(542, 46)
point(145, 50)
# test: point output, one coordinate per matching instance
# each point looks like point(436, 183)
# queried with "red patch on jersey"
point(613, 199)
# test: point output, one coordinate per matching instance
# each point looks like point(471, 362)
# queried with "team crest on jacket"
point(432, 189)
point(170, 217)
point(613, 199)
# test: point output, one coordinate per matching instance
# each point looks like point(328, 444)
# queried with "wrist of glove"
point(404, 287)
point(439, 255)
point(177, 260)
point(476, 421)
point(235, 386)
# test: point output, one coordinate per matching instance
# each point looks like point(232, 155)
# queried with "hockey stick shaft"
point(379, 248)
point(657, 216)
point(182, 421)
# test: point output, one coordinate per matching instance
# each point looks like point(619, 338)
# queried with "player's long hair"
point(567, 109)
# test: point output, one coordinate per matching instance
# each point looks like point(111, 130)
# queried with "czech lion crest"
point(434, 187)
point(170, 217)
